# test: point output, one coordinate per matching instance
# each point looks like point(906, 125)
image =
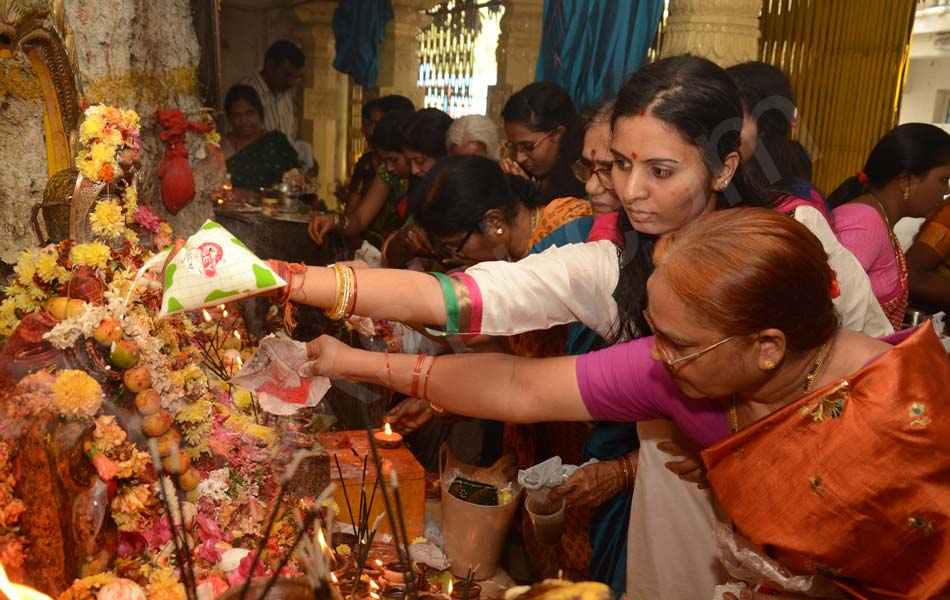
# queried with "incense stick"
point(311, 517)
point(346, 496)
point(410, 585)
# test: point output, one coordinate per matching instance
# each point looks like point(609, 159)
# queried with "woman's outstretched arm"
point(389, 294)
point(487, 386)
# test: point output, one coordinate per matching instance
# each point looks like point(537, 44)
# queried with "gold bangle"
point(344, 292)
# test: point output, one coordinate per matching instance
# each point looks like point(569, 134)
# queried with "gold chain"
point(880, 206)
point(535, 218)
point(810, 378)
point(816, 368)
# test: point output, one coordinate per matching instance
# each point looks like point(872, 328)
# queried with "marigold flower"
point(93, 254)
point(76, 394)
point(107, 219)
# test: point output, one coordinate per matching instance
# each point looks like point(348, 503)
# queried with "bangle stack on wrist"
point(628, 471)
point(345, 293)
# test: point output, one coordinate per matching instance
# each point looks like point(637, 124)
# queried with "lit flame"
point(379, 563)
point(224, 314)
point(388, 429)
point(373, 585)
point(237, 334)
point(15, 591)
point(220, 200)
point(450, 588)
point(205, 315)
point(220, 307)
point(322, 540)
point(333, 577)
point(374, 595)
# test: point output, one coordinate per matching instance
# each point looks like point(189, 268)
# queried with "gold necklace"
point(810, 378)
point(880, 206)
point(535, 218)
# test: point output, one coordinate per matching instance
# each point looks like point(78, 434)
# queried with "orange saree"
point(853, 481)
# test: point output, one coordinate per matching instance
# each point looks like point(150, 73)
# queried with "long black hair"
point(910, 149)
point(457, 192)
point(543, 106)
point(425, 132)
point(768, 99)
point(387, 135)
point(699, 100)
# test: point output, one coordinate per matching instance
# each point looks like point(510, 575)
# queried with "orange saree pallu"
point(853, 481)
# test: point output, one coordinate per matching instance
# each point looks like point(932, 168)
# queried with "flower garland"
point(107, 135)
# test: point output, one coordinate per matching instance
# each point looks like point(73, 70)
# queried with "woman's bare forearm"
point(487, 386)
point(390, 294)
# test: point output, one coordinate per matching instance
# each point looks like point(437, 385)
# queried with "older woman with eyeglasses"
point(827, 448)
point(593, 167)
point(544, 139)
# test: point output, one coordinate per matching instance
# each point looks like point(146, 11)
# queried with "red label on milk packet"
point(210, 257)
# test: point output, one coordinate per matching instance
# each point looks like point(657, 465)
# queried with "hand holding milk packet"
point(213, 267)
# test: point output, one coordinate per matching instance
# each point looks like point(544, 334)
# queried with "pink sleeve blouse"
point(622, 383)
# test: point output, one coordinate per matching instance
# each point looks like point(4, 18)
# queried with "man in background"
point(275, 83)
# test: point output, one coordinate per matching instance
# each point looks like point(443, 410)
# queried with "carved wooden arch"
point(38, 28)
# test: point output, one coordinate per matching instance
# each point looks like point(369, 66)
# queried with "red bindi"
point(634, 155)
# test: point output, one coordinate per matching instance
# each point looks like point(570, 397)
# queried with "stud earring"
point(767, 364)
point(499, 231)
point(907, 194)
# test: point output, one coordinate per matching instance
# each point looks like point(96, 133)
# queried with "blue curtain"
point(358, 26)
point(588, 47)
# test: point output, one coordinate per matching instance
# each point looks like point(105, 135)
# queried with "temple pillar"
point(399, 52)
point(517, 54)
point(325, 94)
point(724, 31)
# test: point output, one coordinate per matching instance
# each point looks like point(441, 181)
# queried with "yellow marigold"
point(8, 318)
point(213, 137)
point(131, 200)
point(91, 128)
point(23, 300)
point(131, 237)
point(85, 588)
point(49, 269)
point(130, 119)
point(107, 219)
point(87, 167)
point(25, 266)
point(93, 254)
point(102, 153)
point(76, 394)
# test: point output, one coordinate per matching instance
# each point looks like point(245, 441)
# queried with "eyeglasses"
point(583, 170)
point(663, 344)
point(458, 249)
point(527, 147)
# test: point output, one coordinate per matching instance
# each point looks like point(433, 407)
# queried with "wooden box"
point(412, 480)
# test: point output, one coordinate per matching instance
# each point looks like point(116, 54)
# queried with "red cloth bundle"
point(178, 181)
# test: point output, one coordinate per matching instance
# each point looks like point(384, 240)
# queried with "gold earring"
point(907, 194)
point(767, 365)
point(499, 231)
